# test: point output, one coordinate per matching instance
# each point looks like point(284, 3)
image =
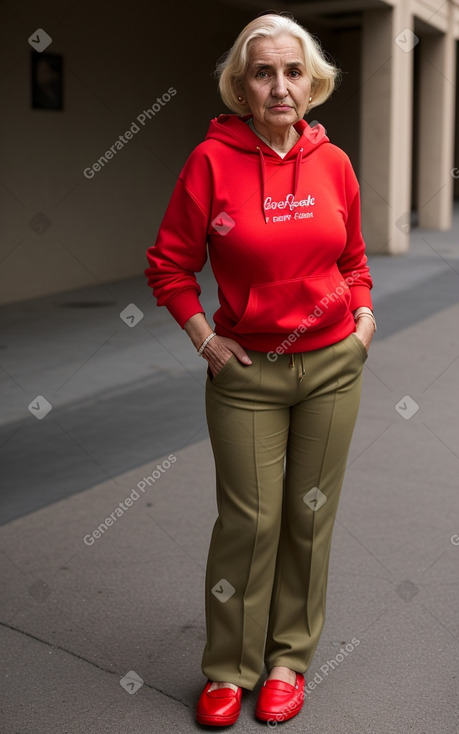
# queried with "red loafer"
point(279, 701)
point(220, 707)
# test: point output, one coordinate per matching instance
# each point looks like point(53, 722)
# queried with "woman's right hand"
point(219, 350)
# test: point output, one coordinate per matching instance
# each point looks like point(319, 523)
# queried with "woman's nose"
point(279, 88)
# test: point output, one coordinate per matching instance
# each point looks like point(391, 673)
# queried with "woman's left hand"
point(364, 330)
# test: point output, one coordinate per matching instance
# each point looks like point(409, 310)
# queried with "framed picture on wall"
point(47, 81)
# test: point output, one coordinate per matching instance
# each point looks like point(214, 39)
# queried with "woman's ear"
point(240, 93)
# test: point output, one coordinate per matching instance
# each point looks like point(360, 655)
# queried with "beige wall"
point(116, 63)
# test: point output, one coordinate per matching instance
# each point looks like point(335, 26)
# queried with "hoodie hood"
point(232, 130)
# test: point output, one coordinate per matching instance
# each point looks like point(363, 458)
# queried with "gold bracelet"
point(366, 313)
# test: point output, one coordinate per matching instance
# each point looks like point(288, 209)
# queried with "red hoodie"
point(283, 235)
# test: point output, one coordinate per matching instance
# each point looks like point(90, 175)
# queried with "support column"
point(436, 129)
point(386, 128)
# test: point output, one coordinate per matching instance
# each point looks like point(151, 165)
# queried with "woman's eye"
point(294, 73)
point(262, 74)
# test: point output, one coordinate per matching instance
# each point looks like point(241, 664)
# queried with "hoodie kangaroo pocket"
point(308, 303)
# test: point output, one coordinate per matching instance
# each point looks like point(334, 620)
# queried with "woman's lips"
point(281, 107)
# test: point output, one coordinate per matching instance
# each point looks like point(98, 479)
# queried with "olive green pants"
point(280, 433)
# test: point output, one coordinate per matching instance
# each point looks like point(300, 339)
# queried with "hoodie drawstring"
point(297, 171)
point(263, 169)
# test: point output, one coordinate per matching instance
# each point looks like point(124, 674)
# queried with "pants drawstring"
point(291, 365)
point(303, 371)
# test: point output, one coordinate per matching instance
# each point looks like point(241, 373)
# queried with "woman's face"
point(276, 85)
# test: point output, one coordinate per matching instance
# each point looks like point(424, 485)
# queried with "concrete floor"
point(76, 618)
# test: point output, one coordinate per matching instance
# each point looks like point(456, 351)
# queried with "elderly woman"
point(277, 205)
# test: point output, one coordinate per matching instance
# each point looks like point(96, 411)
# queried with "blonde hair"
point(232, 68)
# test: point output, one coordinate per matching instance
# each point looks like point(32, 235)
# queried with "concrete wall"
point(117, 61)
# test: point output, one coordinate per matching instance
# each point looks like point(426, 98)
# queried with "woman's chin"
point(280, 118)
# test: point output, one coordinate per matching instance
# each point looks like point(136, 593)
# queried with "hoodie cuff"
point(184, 305)
point(360, 296)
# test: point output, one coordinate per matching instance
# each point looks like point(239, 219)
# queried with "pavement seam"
point(86, 660)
